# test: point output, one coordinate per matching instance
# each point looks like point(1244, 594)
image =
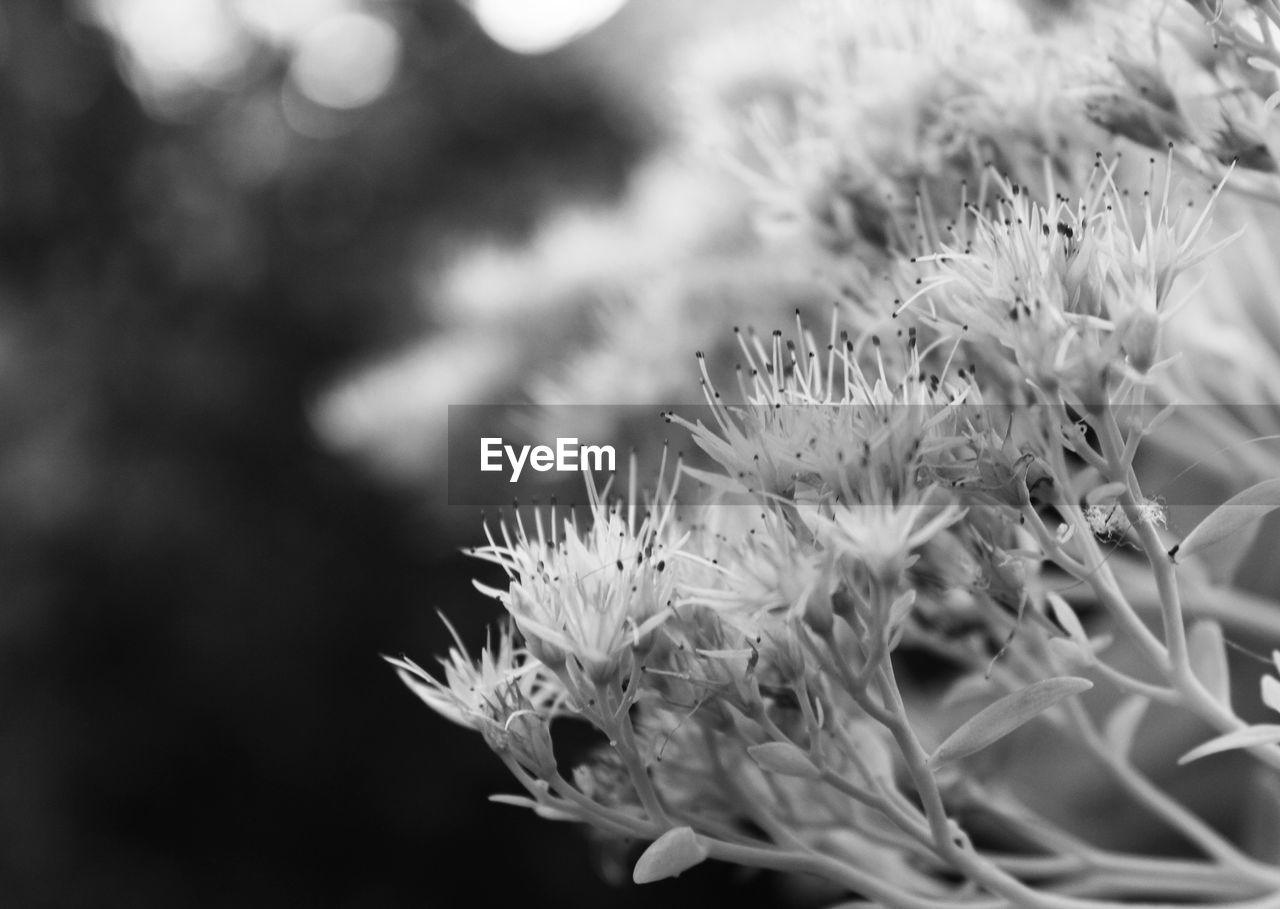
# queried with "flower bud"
point(784, 652)
point(1090, 380)
point(602, 670)
point(549, 655)
point(1140, 338)
point(1136, 119)
point(818, 613)
point(1148, 81)
point(844, 603)
point(1007, 577)
point(1241, 142)
point(528, 738)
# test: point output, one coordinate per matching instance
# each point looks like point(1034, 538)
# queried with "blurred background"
point(218, 219)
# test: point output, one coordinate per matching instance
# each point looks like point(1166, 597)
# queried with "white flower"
point(593, 595)
point(820, 428)
point(882, 110)
point(1075, 293)
point(505, 695)
point(767, 571)
point(848, 458)
point(882, 539)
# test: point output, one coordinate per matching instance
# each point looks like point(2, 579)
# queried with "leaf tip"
point(676, 851)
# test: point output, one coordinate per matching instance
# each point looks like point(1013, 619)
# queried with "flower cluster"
point(863, 652)
point(852, 119)
point(505, 695)
point(741, 660)
point(1070, 297)
point(590, 599)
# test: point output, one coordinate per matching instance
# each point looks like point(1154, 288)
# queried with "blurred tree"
point(195, 593)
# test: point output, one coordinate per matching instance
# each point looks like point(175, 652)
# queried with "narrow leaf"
point(1233, 515)
point(1100, 642)
point(677, 850)
point(901, 607)
point(1069, 652)
point(1222, 562)
point(1006, 715)
point(1070, 622)
point(1122, 724)
point(785, 759)
point(546, 812)
point(1266, 734)
point(1207, 650)
point(1271, 692)
point(516, 801)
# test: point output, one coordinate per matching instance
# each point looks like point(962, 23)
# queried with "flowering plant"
point(959, 472)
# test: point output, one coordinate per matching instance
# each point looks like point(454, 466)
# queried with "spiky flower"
point(1075, 294)
point(591, 596)
point(948, 502)
point(504, 695)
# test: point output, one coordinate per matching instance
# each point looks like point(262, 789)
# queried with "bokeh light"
point(346, 61)
point(171, 47)
point(213, 211)
point(284, 22)
point(174, 53)
point(536, 28)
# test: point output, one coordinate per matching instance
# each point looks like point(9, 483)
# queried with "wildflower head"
point(1246, 148)
point(1140, 104)
point(504, 695)
point(846, 157)
point(767, 570)
point(1075, 296)
point(704, 667)
point(591, 597)
point(846, 456)
point(880, 541)
point(818, 425)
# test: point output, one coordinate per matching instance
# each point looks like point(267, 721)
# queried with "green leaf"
point(1006, 715)
point(1122, 724)
point(1207, 651)
point(785, 759)
point(676, 851)
point(1265, 734)
point(1232, 516)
